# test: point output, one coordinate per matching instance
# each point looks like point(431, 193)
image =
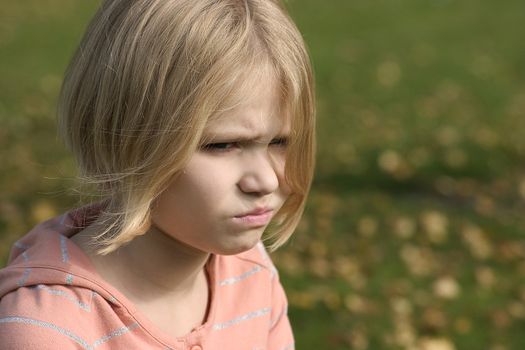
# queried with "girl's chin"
point(239, 246)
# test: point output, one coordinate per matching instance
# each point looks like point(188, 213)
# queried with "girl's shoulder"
point(258, 256)
point(250, 293)
point(55, 317)
point(249, 273)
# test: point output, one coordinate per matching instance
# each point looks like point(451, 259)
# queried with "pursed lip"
point(258, 217)
point(255, 212)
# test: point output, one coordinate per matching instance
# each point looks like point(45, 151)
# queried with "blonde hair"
point(146, 78)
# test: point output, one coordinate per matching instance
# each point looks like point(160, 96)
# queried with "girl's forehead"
point(255, 118)
point(251, 125)
point(254, 107)
point(258, 95)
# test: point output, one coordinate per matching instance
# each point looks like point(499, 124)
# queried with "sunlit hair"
point(148, 75)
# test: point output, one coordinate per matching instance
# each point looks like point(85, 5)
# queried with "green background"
point(413, 237)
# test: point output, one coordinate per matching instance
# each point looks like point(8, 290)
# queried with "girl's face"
point(233, 185)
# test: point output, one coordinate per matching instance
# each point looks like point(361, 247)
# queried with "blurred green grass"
point(413, 237)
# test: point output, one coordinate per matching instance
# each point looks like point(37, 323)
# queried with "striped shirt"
point(51, 297)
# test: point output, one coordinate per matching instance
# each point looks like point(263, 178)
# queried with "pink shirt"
point(52, 298)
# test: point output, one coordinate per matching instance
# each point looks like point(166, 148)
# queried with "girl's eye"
point(280, 142)
point(219, 146)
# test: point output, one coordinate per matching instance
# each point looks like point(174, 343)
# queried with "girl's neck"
point(151, 267)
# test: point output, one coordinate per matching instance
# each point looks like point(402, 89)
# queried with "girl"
point(195, 120)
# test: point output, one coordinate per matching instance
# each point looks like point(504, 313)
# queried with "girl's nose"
point(260, 174)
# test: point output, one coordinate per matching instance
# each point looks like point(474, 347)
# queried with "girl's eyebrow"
point(239, 135)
